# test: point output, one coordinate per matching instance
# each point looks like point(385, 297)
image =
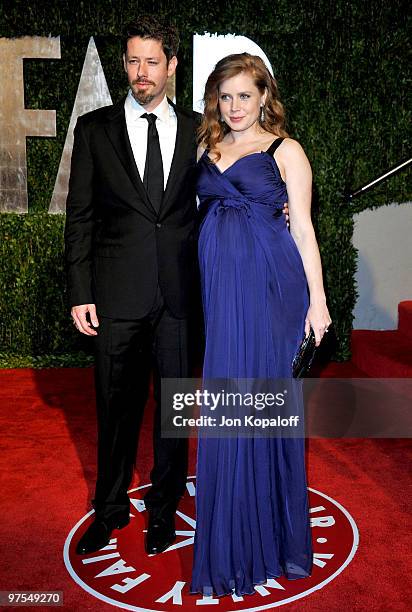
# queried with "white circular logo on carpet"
point(123, 575)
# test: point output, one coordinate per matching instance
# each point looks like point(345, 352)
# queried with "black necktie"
point(153, 170)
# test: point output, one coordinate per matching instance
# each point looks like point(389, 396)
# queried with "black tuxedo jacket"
point(118, 249)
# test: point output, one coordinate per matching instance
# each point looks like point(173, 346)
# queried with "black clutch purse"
point(303, 359)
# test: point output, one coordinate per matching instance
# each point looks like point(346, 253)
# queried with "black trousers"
point(127, 351)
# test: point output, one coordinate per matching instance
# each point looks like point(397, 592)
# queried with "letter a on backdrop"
point(92, 93)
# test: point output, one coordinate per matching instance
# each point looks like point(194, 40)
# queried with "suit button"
point(158, 225)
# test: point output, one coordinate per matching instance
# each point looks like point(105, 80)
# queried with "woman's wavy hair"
point(212, 129)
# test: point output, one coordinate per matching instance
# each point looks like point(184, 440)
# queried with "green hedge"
point(342, 70)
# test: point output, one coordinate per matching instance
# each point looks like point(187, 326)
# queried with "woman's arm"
point(298, 177)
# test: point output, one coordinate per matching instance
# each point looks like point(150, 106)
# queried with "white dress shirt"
point(137, 127)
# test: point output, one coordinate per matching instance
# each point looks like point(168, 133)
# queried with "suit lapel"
point(116, 130)
point(182, 152)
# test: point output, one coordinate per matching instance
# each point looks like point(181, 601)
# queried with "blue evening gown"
point(252, 519)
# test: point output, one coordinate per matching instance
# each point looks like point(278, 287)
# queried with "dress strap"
point(274, 146)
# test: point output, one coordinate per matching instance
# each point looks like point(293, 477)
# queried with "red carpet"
point(405, 318)
point(386, 354)
point(48, 470)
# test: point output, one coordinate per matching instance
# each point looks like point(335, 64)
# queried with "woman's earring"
point(262, 114)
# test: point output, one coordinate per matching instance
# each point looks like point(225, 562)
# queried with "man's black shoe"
point(98, 534)
point(160, 535)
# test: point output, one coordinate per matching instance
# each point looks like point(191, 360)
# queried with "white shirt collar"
point(163, 110)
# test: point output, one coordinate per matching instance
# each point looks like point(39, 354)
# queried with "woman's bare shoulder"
point(291, 146)
point(200, 151)
point(291, 151)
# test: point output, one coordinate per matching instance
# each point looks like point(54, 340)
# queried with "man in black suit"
point(131, 253)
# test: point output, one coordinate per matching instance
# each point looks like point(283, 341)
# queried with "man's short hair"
point(148, 26)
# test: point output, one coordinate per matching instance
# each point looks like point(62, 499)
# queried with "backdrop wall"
point(384, 272)
point(342, 72)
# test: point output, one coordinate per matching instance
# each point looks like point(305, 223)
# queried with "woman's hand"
point(318, 319)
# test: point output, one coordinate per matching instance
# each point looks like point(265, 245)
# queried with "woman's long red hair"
point(212, 130)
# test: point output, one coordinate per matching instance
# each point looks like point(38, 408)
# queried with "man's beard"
point(142, 97)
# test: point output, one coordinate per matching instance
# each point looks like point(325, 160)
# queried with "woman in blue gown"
point(262, 290)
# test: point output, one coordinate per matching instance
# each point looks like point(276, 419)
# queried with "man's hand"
point(286, 212)
point(79, 314)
